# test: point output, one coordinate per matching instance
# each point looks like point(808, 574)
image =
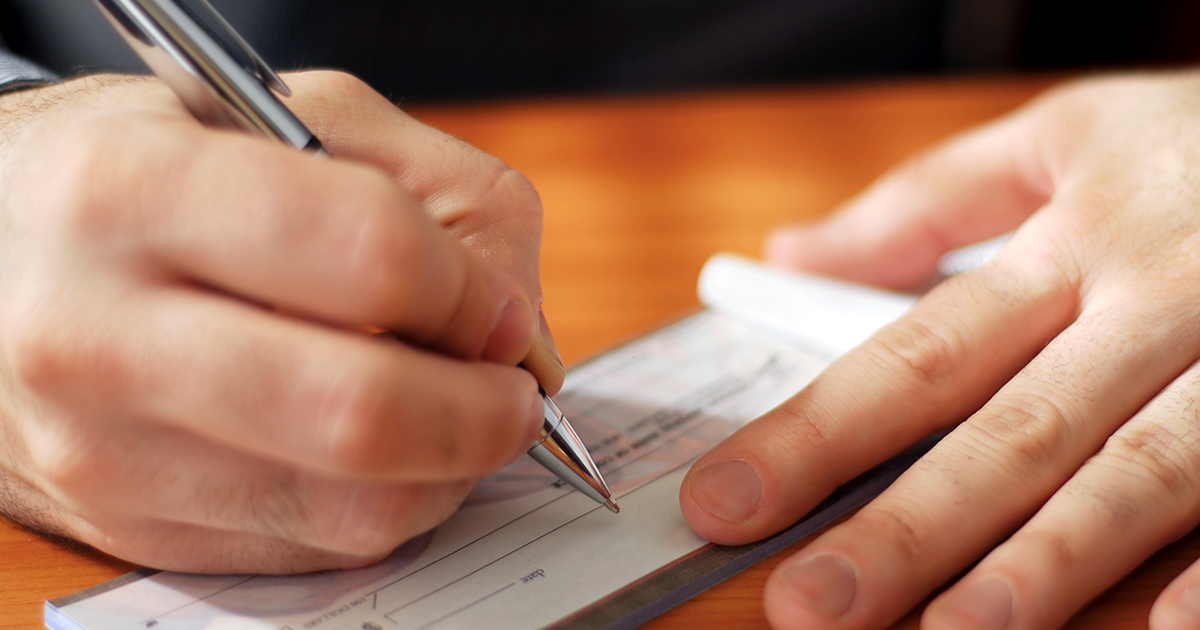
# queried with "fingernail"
point(537, 416)
point(1188, 605)
point(730, 490)
point(511, 335)
point(548, 336)
point(825, 583)
point(985, 604)
point(544, 360)
point(537, 411)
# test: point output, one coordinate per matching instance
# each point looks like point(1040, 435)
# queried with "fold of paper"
point(832, 315)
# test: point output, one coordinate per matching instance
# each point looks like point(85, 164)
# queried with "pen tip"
point(612, 506)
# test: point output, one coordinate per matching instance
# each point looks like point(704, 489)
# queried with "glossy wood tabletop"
point(638, 193)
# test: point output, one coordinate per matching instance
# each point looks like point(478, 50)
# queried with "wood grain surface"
point(638, 192)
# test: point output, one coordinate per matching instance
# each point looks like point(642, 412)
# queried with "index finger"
point(328, 239)
point(492, 208)
point(927, 371)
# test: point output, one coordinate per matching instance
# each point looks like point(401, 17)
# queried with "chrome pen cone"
point(562, 452)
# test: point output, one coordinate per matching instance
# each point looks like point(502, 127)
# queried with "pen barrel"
point(560, 451)
point(191, 59)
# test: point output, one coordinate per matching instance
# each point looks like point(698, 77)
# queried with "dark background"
point(430, 50)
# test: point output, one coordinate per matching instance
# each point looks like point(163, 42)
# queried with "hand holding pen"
point(224, 83)
point(154, 409)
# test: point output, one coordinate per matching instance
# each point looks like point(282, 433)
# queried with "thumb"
point(976, 186)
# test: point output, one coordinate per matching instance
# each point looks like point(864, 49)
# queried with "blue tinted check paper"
point(525, 552)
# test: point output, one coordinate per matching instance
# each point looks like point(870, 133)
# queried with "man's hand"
point(185, 380)
point(1068, 364)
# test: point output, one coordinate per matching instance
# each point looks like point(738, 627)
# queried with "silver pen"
point(224, 83)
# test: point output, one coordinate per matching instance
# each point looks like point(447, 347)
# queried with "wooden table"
point(638, 193)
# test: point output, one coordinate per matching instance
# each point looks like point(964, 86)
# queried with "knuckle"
point(1052, 546)
point(370, 433)
point(905, 533)
point(474, 440)
point(802, 425)
point(1154, 454)
point(49, 354)
point(520, 202)
point(927, 355)
point(100, 162)
point(504, 195)
point(512, 184)
point(801, 429)
point(386, 255)
point(1021, 431)
point(62, 465)
point(465, 324)
point(40, 356)
point(368, 428)
point(361, 432)
point(1116, 503)
point(446, 449)
point(470, 454)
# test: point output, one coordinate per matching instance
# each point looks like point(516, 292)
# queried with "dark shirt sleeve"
point(17, 73)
